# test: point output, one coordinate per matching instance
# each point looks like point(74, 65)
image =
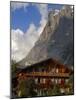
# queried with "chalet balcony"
point(47, 74)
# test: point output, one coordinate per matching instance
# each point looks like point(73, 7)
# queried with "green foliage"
point(54, 91)
point(13, 67)
point(22, 89)
point(26, 87)
point(71, 84)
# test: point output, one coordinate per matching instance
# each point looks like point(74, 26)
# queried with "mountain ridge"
point(51, 43)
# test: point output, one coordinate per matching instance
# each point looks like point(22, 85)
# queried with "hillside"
point(56, 40)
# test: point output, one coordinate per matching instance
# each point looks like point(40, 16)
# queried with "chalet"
point(45, 74)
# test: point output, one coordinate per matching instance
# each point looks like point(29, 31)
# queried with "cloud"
point(22, 42)
point(18, 5)
point(43, 9)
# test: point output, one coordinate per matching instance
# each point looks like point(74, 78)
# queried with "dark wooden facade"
point(46, 73)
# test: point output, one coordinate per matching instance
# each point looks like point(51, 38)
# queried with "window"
point(57, 70)
point(36, 80)
point(44, 80)
point(66, 80)
point(52, 79)
point(56, 81)
point(59, 81)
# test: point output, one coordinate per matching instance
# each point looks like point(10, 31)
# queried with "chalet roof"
point(44, 63)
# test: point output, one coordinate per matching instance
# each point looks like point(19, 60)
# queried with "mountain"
point(56, 40)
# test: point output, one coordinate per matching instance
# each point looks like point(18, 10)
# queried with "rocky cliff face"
point(56, 40)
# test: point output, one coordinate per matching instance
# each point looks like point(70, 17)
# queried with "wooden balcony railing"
point(45, 74)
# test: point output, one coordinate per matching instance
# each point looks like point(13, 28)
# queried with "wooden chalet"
point(45, 74)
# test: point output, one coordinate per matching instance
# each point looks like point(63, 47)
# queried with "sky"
point(27, 23)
